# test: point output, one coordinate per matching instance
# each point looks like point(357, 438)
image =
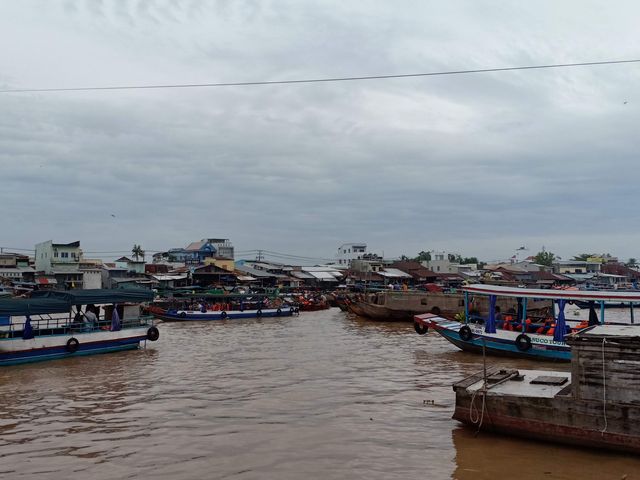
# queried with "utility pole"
point(259, 256)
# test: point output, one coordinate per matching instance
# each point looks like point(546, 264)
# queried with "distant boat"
point(49, 326)
point(398, 305)
point(220, 306)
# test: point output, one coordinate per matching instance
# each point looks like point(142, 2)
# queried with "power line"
point(319, 80)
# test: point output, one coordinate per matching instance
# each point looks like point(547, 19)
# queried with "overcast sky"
point(480, 164)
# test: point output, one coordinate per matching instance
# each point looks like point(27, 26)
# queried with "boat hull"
point(557, 418)
point(15, 351)
point(190, 316)
point(502, 343)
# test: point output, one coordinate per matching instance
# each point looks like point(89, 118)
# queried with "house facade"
point(347, 252)
point(58, 264)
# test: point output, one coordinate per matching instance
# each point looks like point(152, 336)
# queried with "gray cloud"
point(478, 163)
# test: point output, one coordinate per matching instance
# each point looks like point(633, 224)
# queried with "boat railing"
point(49, 325)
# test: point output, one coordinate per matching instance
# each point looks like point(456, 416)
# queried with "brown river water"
point(321, 396)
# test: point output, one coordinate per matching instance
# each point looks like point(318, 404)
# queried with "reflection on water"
point(488, 456)
point(324, 395)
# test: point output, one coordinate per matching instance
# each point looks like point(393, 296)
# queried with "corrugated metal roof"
point(394, 273)
point(254, 272)
point(302, 275)
point(324, 276)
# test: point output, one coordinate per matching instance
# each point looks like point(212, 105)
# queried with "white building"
point(54, 257)
point(350, 251)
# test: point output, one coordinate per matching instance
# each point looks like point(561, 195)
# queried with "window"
point(64, 254)
point(438, 268)
point(344, 251)
point(55, 254)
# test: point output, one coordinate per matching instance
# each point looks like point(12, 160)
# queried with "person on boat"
point(498, 315)
point(90, 319)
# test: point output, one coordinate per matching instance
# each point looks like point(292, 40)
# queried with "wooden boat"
point(404, 305)
point(596, 405)
point(540, 336)
point(49, 325)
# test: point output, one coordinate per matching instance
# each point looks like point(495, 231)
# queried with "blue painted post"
point(466, 307)
point(601, 312)
point(524, 315)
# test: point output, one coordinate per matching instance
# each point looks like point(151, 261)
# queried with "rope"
point(604, 389)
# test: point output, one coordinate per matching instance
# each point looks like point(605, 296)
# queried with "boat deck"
point(523, 383)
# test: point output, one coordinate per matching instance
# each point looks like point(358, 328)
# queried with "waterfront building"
point(58, 264)
point(197, 253)
point(347, 252)
point(15, 267)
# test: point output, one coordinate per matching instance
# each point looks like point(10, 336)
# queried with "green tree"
point(423, 257)
point(631, 263)
point(137, 252)
point(583, 257)
point(544, 258)
point(467, 260)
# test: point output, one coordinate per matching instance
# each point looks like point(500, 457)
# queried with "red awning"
point(46, 281)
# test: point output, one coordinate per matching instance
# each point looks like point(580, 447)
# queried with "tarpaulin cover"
point(97, 296)
point(32, 306)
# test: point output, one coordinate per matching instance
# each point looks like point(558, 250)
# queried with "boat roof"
point(32, 306)
point(97, 296)
point(498, 290)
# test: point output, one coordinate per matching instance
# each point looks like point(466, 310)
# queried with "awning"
point(97, 296)
point(46, 281)
point(245, 278)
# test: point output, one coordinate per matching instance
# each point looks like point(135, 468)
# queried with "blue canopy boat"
point(222, 307)
point(522, 333)
point(52, 324)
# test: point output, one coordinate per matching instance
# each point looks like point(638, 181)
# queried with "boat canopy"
point(96, 296)
point(32, 306)
point(596, 295)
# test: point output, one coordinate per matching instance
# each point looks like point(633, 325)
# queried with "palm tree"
point(137, 252)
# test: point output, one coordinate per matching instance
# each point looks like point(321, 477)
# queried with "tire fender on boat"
point(435, 310)
point(72, 345)
point(420, 329)
point(223, 314)
point(278, 312)
point(465, 333)
point(258, 313)
point(153, 334)
point(182, 314)
point(523, 342)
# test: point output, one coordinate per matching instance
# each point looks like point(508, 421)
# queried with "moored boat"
point(52, 324)
point(595, 405)
point(177, 315)
point(392, 305)
point(521, 333)
point(222, 307)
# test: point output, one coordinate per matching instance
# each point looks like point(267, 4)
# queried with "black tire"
point(153, 334)
point(258, 313)
point(223, 314)
point(278, 312)
point(296, 311)
point(435, 311)
point(182, 314)
point(523, 342)
point(420, 329)
point(72, 345)
point(465, 333)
